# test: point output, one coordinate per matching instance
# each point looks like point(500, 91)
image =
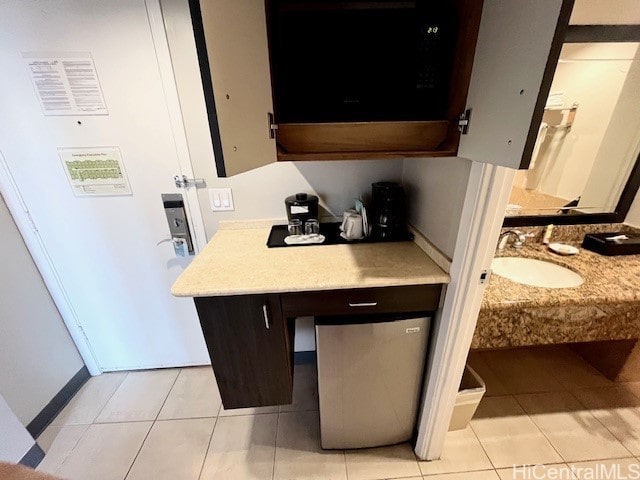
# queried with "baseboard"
point(33, 457)
point(300, 358)
point(57, 403)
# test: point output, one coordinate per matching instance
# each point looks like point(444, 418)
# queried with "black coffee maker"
point(388, 211)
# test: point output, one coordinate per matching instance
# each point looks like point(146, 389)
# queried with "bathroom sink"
point(536, 273)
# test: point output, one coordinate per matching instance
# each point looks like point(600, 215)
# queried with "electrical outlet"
point(221, 199)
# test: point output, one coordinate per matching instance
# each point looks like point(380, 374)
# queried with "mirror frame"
point(582, 34)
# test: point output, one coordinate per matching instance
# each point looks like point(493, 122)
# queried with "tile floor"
point(543, 406)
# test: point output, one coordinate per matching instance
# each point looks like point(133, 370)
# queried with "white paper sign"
point(95, 171)
point(66, 85)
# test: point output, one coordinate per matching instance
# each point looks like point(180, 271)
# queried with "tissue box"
point(597, 242)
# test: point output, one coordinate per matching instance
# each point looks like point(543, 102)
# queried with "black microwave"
point(360, 60)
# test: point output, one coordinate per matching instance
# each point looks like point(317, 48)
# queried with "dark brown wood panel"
point(361, 136)
point(252, 363)
point(413, 298)
point(449, 151)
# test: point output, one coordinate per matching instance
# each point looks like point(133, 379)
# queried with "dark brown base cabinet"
point(250, 337)
point(250, 349)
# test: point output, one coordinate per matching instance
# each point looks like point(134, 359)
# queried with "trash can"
point(472, 389)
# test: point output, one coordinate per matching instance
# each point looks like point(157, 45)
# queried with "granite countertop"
point(238, 262)
point(606, 280)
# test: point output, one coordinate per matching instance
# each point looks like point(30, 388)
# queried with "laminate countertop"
point(238, 262)
point(605, 307)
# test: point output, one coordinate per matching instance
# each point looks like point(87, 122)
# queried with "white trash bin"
point(472, 389)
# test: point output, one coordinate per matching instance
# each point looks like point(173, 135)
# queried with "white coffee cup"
point(352, 225)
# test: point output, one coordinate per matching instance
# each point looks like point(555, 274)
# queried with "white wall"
point(15, 441)
point(620, 146)
point(436, 189)
point(591, 75)
point(633, 217)
point(37, 355)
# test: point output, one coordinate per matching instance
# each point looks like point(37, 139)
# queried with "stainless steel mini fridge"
point(370, 373)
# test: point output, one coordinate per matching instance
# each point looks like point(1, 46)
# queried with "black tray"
point(596, 243)
point(331, 232)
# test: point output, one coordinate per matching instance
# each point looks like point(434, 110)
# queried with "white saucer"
point(563, 249)
point(304, 239)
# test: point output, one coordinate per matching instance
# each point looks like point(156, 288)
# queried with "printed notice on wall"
point(95, 171)
point(66, 84)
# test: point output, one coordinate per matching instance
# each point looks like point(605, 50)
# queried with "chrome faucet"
point(517, 243)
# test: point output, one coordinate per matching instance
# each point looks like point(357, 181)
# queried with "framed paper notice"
point(95, 171)
point(66, 84)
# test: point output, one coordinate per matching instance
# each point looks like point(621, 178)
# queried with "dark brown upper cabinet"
point(371, 79)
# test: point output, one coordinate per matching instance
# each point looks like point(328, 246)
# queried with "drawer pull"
point(266, 316)
point(363, 304)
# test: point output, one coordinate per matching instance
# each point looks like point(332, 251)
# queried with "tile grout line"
point(275, 447)
point(605, 427)
point(540, 429)
point(481, 445)
point(93, 422)
point(151, 427)
point(74, 445)
point(206, 453)
point(88, 425)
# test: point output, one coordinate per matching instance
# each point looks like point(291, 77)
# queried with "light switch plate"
point(221, 199)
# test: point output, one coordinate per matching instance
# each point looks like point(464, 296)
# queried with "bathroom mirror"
point(585, 164)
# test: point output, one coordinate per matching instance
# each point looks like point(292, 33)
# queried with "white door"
point(104, 249)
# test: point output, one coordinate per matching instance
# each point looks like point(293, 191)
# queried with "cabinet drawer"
point(413, 298)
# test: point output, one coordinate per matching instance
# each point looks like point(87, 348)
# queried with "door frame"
point(487, 195)
point(29, 231)
point(167, 76)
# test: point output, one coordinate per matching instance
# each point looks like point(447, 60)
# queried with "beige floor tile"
point(305, 389)
point(58, 442)
point(105, 452)
point(462, 453)
point(573, 431)
point(242, 448)
point(558, 471)
point(618, 410)
point(194, 394)
point(623, 468)
point(174, 449)
point(85, 406)
point(484, 475)
point(494, 386)
point(566, 366)
point(298, 452)
point(521, 371)
point(46, 438)
point(509, 436)
point(139, 397)
point(383, 462)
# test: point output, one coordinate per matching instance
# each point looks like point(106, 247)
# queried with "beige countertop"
point(238, 262)
point(606, 280)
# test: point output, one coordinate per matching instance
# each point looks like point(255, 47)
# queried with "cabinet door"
point(250, 349)
point(518, 48)
point(231, 38)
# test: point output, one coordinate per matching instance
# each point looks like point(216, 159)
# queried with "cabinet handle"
point(363, 304)
point(266, 316)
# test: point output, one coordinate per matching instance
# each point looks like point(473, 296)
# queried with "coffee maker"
point(388, 209)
